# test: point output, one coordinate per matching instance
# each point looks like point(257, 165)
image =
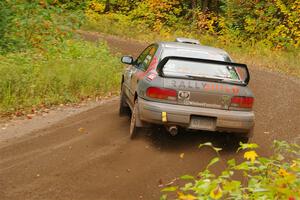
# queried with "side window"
point(146, 57)
point(142, 57)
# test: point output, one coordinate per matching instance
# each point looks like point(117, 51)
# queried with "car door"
point(139, 69)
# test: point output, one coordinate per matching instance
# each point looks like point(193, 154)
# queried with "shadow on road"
point(187, 140)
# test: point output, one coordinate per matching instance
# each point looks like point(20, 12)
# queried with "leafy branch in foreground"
point(274, 177)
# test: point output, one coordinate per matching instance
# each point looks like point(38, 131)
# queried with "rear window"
point(192, 69)
point(201, 54)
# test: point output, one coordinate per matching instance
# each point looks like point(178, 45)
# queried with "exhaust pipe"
point(173, 130)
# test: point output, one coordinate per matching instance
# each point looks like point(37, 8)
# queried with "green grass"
point(255, 55)
point(68, 73)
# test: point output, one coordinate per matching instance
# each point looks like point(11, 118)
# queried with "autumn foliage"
point(274, 23)
point(271, 23)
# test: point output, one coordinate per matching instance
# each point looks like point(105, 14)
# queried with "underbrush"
point(257, 54)
point(66, 73)
point(252, 177)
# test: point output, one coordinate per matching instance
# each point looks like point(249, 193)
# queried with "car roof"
point(193, 47)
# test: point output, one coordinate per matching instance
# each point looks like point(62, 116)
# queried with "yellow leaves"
point(286, 178)
point(282, 172)
point(250, 24)
point(281, 6)
point(289, 177)
point(250, 155)
point(286, 33)
point(183, 196)
point(81, 130)
point(181, 155)
point(216, 193)
point(157, 25)
point(96, 6)
point(162, 4)
point(93, 10)
point(294, 166)
point(207, 21)
point(156, 13)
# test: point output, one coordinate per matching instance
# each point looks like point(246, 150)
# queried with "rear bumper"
point(226, 120)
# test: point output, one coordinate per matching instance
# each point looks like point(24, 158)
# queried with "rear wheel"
point(123, 108)
point(134, 130)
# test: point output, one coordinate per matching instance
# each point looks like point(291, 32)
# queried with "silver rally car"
point(183, 84)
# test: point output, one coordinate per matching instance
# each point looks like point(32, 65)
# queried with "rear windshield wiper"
point(216, 78)
point(203, 77)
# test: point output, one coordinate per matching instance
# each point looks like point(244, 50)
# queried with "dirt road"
point(89, 155)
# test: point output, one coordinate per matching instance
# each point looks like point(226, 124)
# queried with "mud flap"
point(138, 122)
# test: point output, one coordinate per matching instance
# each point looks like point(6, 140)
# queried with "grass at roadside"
point(258, 55)
point(68, 73)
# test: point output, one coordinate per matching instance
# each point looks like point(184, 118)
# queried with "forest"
point(272, 23)
point(269, 23)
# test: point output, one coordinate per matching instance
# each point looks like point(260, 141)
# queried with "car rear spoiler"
point(162, 63)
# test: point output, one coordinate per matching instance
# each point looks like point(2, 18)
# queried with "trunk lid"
point(202, 93)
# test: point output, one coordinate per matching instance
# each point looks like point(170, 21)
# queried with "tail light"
point(161, 93)
point(242, 102)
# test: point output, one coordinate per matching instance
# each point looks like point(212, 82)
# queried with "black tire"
point(134, 130)
point(123, 107)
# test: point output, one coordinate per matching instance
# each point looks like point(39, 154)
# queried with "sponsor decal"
point(152, 66)
point(151, 76)
point(185, 85)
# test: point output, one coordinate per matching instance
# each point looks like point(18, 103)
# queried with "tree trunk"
point(214, 6)
point(205, 4)
point(107, 6)
point(193, 4)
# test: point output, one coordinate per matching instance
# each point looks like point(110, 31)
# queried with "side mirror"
point(127, 60)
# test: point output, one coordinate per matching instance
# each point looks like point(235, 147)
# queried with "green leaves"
point(213, 161)
point(274, 177)
point(170, 189)
point(34, 24)
point(266, 22)
point(231, 185)
point(247, 146)
point(163, 197)
point(209, 144)
point(187, 177)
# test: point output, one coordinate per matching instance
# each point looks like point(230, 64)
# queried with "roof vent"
point(187, 40)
